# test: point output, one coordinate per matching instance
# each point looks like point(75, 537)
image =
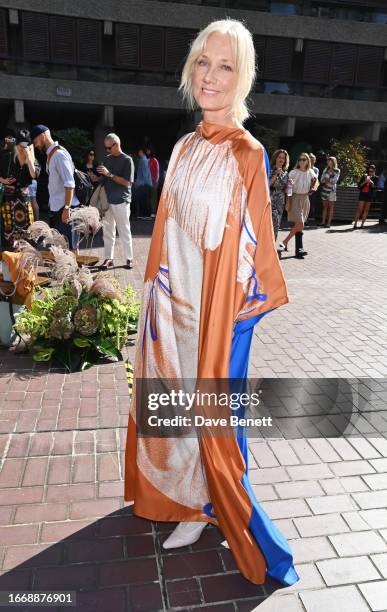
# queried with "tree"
point(351, 157)
point(76, 141)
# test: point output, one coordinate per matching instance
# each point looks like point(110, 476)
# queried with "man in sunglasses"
point(118, 176)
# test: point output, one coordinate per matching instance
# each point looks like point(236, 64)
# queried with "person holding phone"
point(18, 169)
point(90, 168)
point(117, 172)
point(367, 187)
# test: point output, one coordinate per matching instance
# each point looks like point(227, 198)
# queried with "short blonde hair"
point(244, 58)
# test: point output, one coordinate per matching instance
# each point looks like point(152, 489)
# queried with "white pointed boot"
point(184, 534)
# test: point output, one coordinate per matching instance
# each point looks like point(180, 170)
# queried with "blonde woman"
point(212, 273)
point(18, 169)
point(329, 179)
point(304, 182)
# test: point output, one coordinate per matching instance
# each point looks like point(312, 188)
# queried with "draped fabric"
point(212, 273)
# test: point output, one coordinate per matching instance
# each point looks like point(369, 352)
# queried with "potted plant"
point(351, 158)
point(81, 317)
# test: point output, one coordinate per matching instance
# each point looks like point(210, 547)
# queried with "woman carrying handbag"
point(18, 168)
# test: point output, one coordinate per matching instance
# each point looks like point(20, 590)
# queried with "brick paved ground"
point(63, 522)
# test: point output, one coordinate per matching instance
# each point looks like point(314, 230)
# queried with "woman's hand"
point(7, 181)
point(30, 153)
point(314, 185)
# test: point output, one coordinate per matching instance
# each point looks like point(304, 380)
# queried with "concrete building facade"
point(322, 64)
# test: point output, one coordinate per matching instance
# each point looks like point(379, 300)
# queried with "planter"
point(345, 207)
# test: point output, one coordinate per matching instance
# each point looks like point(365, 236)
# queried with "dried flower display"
point(80, 317)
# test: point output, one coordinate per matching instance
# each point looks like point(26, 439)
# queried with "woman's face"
point(21, 151)
point(280, 161)
point(303, 162)
point(215, 77)
point(330, 163)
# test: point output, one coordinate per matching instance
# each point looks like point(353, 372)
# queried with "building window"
point(36, 39)
point(379, 17)
point(343, 64)
point(283, 8)
point(278, 59)
point(276, 88)
point(177, 41)
point(317, 61)
point(127, 45)
point(63, 39)
point(152, 47)
point(89, 42)
point(3, 33)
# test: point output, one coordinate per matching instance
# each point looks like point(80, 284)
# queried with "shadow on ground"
point(141, 228)
point(117, 564)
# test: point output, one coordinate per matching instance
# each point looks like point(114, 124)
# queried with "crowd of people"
point(133, 184)
point(292, 191)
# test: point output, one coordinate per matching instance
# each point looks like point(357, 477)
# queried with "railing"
point(114, 74)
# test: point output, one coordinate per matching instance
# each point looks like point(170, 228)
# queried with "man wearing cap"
point(61, 184)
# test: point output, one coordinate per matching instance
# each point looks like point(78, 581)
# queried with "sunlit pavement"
point(64, 524)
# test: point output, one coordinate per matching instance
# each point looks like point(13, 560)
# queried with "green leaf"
point(81, 342)
point(70, 357)
point(44, 355)
point(86, 365)
point(106, 347)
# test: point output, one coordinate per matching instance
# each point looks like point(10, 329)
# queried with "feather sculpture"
point(85, 277)
point(41, 231)
point(58, 239)
point(86, 220)
point(30, 257)
point(64, 266)
point(106, 286)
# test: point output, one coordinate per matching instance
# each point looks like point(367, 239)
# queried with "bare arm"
point(120, 181)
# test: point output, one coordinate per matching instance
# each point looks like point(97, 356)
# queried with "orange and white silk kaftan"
point(212, 267)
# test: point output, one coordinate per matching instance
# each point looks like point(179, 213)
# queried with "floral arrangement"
point(81, 317)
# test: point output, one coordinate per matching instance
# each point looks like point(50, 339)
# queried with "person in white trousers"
point(118, 176)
